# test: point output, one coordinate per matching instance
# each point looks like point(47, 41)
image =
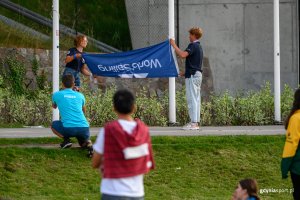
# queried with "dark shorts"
point(74, 73)
point(81, 133)
point(113, 197)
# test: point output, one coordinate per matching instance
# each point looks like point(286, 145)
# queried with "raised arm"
point(179, 52)
point(70, 58)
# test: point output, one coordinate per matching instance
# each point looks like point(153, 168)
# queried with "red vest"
point(116, 141)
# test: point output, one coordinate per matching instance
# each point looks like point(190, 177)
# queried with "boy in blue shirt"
point(73, 123)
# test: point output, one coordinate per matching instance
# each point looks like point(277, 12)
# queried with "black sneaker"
point(90, 149)
point(66, 144)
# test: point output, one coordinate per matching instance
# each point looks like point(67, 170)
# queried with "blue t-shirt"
point(77, 63)
point(193, 61)
point(70, 105)
point(251, 198)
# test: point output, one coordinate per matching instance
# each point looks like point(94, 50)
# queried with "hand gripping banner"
point(151, 62)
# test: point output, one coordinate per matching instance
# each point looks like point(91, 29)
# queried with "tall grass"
point(10, 37)
point(251, 108)
point(105, 20)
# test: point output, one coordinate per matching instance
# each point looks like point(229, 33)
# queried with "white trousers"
point(193, 96)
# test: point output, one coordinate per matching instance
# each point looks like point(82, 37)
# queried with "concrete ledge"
point(157, 131)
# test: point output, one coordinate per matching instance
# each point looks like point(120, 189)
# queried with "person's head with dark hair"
point(68, 81)
point(295, 107)
point(246, 190)
point(124, 102)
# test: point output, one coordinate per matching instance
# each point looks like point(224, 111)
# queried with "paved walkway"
point(157, 131)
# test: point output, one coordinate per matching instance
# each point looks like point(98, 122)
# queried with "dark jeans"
point(81, 133)
point(296, 185)
point(74, 73)
point(112, 197)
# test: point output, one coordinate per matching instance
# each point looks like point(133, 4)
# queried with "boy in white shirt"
point(123, 151)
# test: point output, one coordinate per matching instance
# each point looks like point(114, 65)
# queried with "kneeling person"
point(73, 123)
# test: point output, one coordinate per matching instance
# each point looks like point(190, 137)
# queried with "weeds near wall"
point(18, 105)
point(13, 74)
point(40, 74)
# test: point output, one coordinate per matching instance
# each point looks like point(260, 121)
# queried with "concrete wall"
point(148, 21)
point(237, 40)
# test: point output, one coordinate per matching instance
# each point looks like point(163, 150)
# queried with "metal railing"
point(23, 28)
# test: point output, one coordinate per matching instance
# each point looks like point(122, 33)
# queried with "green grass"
point(186, 168)
point(105, 20)
point(10, 125)
point(10, 37)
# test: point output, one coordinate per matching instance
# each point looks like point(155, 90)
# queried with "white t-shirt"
point(131, 186)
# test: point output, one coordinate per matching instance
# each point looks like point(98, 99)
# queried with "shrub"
point(182, 112)
point(266, 99)
point(252, 108)
point(287, 97)
point(206, 113)
point(23, 110)
point(3, 105)
point(247, 110)
point(150, 110)
point(223, 109)
point(99, 107)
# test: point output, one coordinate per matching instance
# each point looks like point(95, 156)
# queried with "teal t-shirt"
point(70, 105)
